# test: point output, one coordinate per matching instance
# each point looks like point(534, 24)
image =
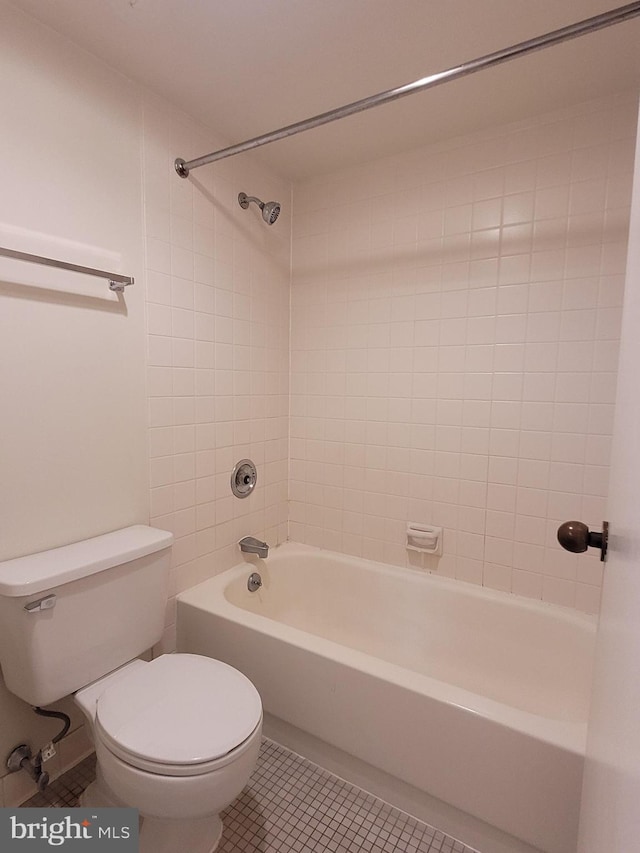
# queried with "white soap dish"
point(425, 538)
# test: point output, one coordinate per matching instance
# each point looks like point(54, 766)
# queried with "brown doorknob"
point(576, 537)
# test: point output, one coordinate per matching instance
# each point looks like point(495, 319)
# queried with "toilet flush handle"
point(46, 603)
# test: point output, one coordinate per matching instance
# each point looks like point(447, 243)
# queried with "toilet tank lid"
point(35, 573)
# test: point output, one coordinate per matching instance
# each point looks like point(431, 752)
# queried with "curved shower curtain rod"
point(589, 25)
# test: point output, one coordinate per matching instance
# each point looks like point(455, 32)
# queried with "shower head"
point(270, 210)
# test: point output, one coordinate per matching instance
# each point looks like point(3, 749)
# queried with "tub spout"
point(251, 545)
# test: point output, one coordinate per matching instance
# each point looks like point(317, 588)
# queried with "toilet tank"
point(70, 615)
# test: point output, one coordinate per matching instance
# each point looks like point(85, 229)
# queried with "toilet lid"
point(179, 709)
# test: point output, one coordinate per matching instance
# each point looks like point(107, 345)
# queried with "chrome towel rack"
point(117, 282)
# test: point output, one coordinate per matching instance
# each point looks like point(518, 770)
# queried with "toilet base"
point(98, 796)
point(157, 835)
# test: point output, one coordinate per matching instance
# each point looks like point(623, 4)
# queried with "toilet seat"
point(180, 715)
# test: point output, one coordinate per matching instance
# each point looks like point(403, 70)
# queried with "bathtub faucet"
point(251, 545)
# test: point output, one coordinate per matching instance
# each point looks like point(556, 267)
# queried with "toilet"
point(176, 737)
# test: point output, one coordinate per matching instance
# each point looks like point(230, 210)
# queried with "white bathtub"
point(476, 697)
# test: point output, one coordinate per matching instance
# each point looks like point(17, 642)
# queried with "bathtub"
point(476, 697)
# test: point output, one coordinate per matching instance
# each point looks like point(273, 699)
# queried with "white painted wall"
point(71, 375)
point(610, 819)
point(72, 431)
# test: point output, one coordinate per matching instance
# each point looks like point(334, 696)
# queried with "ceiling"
point(247, 67)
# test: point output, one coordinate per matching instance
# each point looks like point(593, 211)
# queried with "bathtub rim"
point(209, 596)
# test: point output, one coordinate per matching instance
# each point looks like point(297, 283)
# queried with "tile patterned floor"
point(293, 806)
point(65, 791)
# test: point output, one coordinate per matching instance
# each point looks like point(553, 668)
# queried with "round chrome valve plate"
point(244, 478)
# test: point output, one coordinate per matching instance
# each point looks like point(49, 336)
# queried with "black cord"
point(60, 716)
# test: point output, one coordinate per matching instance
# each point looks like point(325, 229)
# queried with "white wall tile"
point(471, 345)
point(218, 317)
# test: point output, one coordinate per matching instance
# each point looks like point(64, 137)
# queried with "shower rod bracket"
point(589, 25)
point(181, 168)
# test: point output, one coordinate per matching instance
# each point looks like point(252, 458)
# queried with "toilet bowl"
point(176, 738)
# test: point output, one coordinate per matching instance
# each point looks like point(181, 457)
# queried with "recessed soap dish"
point(425, 538)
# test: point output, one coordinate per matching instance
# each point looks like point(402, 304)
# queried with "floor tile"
point(293, 806)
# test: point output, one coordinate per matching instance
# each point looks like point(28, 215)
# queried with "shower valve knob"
point(576, 537)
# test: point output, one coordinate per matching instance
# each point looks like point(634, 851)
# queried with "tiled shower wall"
point(455, 324)
point(218, 285)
